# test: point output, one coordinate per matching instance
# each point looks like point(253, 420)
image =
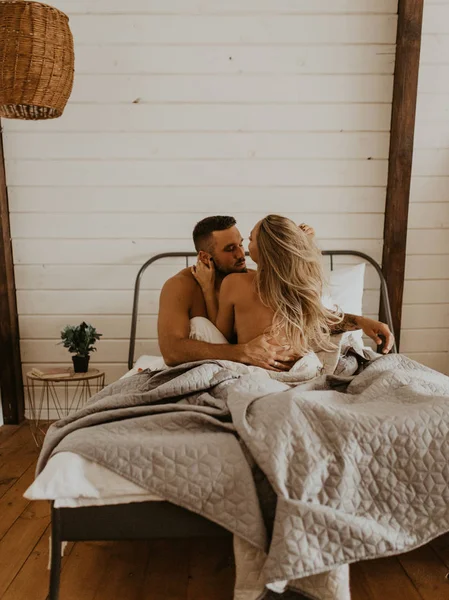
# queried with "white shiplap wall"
point(182, 109)
point(425, 334)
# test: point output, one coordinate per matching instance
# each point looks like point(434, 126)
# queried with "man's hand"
point(204, 274)
point(308, 230)
point(374, 329)
point(267, 354)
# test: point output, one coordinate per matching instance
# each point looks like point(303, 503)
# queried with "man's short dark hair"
point(202, 233)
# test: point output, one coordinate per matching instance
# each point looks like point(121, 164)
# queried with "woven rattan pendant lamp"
point(36, 60)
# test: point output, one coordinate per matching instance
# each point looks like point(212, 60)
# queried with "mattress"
point(72, 481)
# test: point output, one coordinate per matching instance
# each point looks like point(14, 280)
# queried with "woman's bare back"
point(251, 317)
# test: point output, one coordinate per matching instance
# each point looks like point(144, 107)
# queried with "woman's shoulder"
point(240, 278)
point(237, 281)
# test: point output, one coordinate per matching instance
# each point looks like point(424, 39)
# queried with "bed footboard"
point(135, 521)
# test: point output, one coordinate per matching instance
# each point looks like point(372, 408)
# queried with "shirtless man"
point(218, 240)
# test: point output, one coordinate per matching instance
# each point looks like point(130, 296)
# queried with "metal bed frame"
point(149, 520)
point(187, 255)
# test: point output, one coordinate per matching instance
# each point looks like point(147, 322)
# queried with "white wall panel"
point(425, 334)
point(186, 108)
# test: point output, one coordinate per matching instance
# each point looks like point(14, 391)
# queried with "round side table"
point(63, 395)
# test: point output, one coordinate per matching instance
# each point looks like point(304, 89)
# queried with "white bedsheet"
point(155, 363)
point(71, 480)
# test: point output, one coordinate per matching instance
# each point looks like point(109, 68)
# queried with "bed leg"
point(56, 547)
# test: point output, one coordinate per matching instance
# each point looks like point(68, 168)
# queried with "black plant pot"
point(80, 364)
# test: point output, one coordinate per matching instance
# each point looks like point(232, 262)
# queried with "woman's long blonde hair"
point(290, 281)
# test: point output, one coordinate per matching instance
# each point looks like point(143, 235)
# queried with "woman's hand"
point(375, 329)
point(308, 230)
point(204, 274)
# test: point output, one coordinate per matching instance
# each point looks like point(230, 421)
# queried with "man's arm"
point(370, 327)
point(177, 348)
point(174, 329)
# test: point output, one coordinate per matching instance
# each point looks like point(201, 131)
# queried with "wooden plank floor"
point(200, 569)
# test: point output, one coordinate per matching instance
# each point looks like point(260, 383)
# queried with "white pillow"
point(346, 291)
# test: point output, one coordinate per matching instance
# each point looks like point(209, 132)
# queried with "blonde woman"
point(282, 298)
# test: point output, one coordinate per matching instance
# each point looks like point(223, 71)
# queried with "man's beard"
point(235, 269)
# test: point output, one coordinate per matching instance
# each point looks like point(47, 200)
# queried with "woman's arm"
point(205, 277)
point(220, 313)
point(211, 304)
point(370, 327)
point(225, 316)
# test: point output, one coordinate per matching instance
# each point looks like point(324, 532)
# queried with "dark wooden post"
point(405, 89)
point(11, 383)
point(396, 210)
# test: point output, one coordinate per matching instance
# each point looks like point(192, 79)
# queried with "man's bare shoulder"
point(183, 284)
point(182, 280)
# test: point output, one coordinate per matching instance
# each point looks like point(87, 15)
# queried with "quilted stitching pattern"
point(358, 464)
point(358, 475)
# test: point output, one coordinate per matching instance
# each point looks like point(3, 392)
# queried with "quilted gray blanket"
point(359, 464)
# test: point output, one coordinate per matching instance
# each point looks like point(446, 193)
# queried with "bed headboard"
point(187, 255)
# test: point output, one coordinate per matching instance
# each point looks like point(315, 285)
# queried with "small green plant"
point(80, 339)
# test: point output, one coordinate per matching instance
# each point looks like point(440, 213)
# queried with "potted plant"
point(80, 339)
